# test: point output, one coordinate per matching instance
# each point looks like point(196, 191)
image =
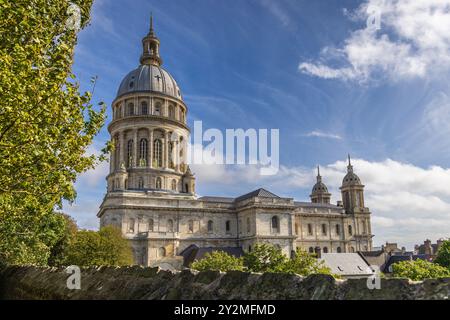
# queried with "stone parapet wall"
point(153, 283)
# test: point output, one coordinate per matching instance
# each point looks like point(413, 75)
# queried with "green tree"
point(106, 247)
point(218, 261)
point(443, 255)
point(46, 123)
point(305, 264)
point(265, 258)
point(419, 270)
point(58, 251)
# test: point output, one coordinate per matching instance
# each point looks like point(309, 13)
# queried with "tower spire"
point(349, 166)
point(152, 32)
point(319, 177)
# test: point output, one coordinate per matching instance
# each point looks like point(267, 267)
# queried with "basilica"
point(151, 190)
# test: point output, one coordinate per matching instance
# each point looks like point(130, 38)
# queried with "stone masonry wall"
point(153, 283)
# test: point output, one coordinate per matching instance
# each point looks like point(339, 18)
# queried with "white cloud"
point(321, 134)
point(413, 42)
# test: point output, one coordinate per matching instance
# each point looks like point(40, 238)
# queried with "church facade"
point(151, 191)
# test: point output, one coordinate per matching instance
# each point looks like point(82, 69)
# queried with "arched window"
point(352, 249)
point(144, 108)
point(174, 185)
point(131, 223)
point(126, 184)
point(171, 112)
point(143, 151)
point(130, 110)
point(129, 153)
point(157, 153)
point(311, 250)
point(296, 228)
point(191, 226)
point(338, 229)
point(141, 183)
point(227, 227)
point(151, 225)
point(113, 186)
point(169, 225)
point(339, 250)
point(310, 229)
point(158, 184)
point(210, 226)
point(186, 187)
point(248, 225)
point(347, 200)
point(275, 224)
point(157, 109)
point(171, 163)
point(325, 250)
point(324, 229)
point(350, 230)
point(161, 252)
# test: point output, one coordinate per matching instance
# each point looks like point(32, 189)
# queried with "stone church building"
point(151, 191)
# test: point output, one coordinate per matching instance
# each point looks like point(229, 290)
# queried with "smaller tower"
point(188, 181)
point(352, 191)
point(150, 45)
point(320, 192)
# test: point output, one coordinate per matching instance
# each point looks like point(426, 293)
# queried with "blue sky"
point(310, 69)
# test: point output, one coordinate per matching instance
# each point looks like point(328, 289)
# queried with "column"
point(176, 146)
point(150, 148)
point(135, 161)
point(121, 148)
point(166, 150)
point(112, 157)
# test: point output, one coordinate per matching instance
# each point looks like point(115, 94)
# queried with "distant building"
point(428, 248)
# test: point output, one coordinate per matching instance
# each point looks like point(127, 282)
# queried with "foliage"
point(443, 255)
point(265, 258)
point(218, 261)
point(419, 270)
point(46, 124)
point(28, 240)
point(304, 263)
point(58, 251)
point(106, 247)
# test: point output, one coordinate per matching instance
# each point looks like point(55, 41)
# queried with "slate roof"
point(263, 193)
point(350, 265)
point(193, 252)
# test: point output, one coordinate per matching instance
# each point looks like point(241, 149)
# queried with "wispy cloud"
point(413, 43)
point(321, 134)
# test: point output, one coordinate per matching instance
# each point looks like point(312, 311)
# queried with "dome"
point(319, 187)
point(351, 179)
point(151, 78)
